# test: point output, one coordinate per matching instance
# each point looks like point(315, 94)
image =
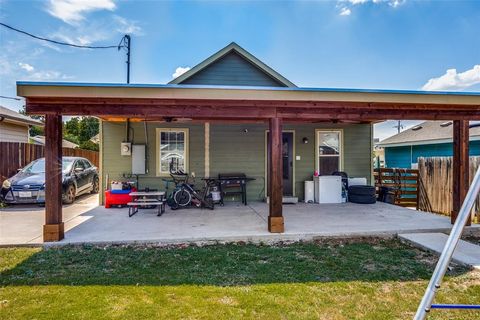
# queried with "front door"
point(287, 162)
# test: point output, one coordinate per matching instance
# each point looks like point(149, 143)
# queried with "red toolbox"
point(118, 197)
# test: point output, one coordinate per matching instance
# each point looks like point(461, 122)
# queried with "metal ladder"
point(447, 253)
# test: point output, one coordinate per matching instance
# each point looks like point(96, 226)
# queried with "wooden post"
point(275, 178)
point(461, 166)
point(53, 229)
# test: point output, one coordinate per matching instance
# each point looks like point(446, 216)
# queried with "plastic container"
point(309, 192)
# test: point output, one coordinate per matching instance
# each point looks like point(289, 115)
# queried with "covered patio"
point(87, 223)
point(275, 106)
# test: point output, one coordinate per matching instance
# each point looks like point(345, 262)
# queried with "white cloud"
point(72, 11)
point(26, 66)
point(179, 71)
point(452, 80)
point(347, 5)
point(48, 75)
point(345, 12)
point(127, 26)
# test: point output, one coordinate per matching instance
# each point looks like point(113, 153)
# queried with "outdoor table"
point(147, 199)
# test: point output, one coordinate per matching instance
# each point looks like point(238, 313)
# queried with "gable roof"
point(65, 143)
point(9, 115)
point(233, 48)
point(428, 132)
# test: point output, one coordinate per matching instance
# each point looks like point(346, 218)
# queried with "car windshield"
point(38, 166)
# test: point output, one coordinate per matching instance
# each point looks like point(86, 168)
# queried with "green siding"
point(234, 70)
point(115, 165)
point(234, 150)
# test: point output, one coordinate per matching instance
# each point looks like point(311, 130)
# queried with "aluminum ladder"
point(447, 253)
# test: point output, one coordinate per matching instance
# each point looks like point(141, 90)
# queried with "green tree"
point(89, 127)
point(34, 130)
point(72, 126)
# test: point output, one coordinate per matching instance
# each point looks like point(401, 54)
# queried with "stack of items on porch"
point(119, 193)
point(339, 188)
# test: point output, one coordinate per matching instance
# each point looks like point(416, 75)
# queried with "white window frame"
point(317, 145)
point(158, 132)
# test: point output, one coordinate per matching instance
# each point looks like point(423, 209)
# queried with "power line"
point(11, 98)
point(120, 45)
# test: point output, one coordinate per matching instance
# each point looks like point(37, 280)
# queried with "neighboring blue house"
point(428, 139)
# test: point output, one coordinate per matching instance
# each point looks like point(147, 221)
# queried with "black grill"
point(31, 187)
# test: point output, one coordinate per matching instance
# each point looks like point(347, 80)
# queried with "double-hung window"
point(329, 151)
point(172, 149)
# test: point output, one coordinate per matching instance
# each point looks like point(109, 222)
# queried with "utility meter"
point(126, 148)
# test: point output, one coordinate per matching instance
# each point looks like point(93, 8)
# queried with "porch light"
point(305, 140)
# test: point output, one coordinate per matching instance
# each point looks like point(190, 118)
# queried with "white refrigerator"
point(328, 189)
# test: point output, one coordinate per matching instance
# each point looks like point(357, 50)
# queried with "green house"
point(208, 148)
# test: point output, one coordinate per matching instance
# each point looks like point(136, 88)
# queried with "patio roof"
point(254, 103)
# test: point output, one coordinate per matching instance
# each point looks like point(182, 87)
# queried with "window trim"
point(158, 131)
point(341, 145)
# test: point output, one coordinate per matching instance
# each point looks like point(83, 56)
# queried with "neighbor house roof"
point(65, 143)
point(428, 132)
point(233, 47)
point(9, 115)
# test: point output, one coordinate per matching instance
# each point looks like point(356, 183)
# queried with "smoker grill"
point(232, 184)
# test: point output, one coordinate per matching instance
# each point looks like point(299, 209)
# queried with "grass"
point(363, 279)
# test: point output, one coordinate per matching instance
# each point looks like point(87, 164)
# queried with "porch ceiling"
point(157, 102)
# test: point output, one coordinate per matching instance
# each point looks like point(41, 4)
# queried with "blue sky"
point(383, 44)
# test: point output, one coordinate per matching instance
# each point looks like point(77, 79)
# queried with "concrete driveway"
point(23, 224)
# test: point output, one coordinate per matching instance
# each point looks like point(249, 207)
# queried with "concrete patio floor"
point(87, 222)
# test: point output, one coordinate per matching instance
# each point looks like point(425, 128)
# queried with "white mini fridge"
point(328, 189)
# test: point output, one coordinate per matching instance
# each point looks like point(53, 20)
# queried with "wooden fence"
point(404, 183)
point(15, 155)
point(436, 184)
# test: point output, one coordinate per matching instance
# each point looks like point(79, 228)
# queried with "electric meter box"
point(126, 148)
point(138, 159)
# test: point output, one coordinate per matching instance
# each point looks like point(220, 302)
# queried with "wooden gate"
point(404, 183)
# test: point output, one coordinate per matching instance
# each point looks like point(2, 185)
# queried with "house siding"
point(234, 149)
point(403, 157)
point(234, 70)
point(10, 132)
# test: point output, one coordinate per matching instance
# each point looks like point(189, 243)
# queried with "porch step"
point(465, 253)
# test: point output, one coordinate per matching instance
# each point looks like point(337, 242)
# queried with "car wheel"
point(70, 194)
point(95, 185)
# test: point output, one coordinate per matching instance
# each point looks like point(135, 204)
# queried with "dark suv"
point(28, 185)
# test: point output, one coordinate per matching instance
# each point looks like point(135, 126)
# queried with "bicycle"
point(184, 194)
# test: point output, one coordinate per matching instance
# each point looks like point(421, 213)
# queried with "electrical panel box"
point(126, 148)
point(139, 159)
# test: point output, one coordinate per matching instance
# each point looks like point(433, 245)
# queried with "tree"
point(89, 127)
point(81, 130)
point(72, 126)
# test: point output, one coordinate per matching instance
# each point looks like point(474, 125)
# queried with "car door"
point(89, 172)
point(80, 174)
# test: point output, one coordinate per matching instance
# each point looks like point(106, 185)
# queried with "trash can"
point(309, 192)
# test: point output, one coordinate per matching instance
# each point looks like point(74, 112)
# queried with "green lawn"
point(363, 279)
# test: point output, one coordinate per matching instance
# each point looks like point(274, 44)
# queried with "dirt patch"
point(475, 239)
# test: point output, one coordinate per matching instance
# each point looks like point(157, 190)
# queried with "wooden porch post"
point(275, 178)
point(53, 229)
point(460, 166)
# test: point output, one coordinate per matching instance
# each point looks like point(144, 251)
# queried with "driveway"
point(23, 224)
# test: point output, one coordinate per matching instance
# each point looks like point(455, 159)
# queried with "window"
point(172, 147)
point(329, 151)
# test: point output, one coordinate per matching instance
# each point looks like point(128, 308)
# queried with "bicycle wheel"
point(182, 197)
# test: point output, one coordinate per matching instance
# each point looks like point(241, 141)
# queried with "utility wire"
point(11, 98)
point(120, 45)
